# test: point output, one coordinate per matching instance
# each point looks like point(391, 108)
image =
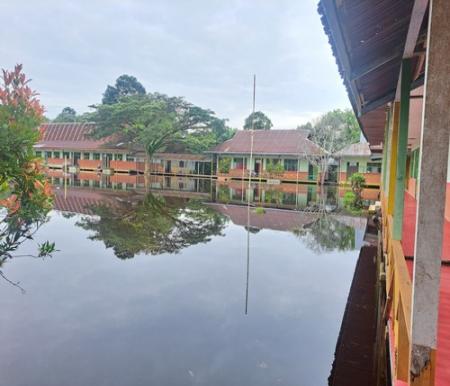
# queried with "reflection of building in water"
point(275, 219)
point(288, 196)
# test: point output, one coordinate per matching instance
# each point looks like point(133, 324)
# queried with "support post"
point(386, 151)
point(393, 157)
point(402, 149)
point(431, 196)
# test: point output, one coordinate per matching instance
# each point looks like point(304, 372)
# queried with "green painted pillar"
point(399, 200)
point(385, 151)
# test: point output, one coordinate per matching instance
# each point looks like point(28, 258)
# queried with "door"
point(168, 166)
point(76, 158)
point(352, 168)
point(257, 166)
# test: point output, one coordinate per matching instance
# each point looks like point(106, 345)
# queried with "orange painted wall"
point(89, 164)
point(372, 179)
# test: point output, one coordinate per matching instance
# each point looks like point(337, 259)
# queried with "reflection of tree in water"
point(327, 234)
point(153, 225)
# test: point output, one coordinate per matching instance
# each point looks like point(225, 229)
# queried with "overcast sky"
point(204, 50)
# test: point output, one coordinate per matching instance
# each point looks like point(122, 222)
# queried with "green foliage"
point(334, 130)
point(68, 114)
point(153, 120)
point(224, 165)
point(274, 167)
point(25, 194)
point(258, 121)
point(201, 140)
point(260, 210)
point(358, 182)
point(153, 225)
point(349, 200)
point(327, 234)
point(126, 85)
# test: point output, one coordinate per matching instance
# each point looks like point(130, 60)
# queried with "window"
point(290, 165)
point(56, 154)
point(414, 163)
point(66, 154)
point(86, 156)
point(130, 158)
point(48, 154)
point(238, 163)
point(39, 154)
point(96, 156)
point(181, 164)
point(118, 157)
point(373, 167)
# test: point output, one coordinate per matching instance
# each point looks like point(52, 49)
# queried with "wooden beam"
point(374, 65)
point(402, 149)
point(434, 146)
point(417, 15)
point(388, 97)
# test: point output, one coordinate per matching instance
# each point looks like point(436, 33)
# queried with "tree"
point(258, 121)
point(68, 114)
point(327, 234)
point(332, 131)
point(126, 85)
point(153, 225)
point(216, 132)
point(25, 193)
point(153, 121)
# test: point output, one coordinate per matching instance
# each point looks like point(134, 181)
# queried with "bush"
point(224, 165)
point(275, 168)
point(349, 200)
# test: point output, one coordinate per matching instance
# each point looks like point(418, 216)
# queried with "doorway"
point(352, 168)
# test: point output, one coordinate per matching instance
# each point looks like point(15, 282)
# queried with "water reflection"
point(178, 212)
point(177, 316)
point(151, 224)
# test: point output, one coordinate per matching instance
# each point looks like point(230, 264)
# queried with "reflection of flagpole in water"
point(248, 197)
point(65, 177)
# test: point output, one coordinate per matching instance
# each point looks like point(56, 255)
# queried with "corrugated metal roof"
point(269, 142)
point(355, 150)
point(70, 136)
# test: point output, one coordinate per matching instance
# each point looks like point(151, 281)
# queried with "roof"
point(361, 149)
point(70, 136)
point(368, 39)
point(269, 142)
point(274, 219)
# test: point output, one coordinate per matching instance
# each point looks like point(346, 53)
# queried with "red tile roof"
point(73, 136)
point(269, 142)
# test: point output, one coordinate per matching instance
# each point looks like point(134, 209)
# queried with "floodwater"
point(179, 285)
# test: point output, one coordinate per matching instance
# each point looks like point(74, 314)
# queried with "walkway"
point(409, 232)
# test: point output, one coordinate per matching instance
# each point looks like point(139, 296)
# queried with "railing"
point(89, 164)
point(399, 295)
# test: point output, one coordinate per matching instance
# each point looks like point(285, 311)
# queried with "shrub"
point(275, 168)
point(349, 199)
point(224, 165)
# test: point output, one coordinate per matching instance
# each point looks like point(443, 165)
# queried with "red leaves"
point(16, 93)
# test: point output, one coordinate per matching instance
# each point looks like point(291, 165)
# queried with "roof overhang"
point(369, 40)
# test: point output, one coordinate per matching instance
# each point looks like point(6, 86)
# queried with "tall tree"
point(126, 85)
point(258, 121)
point(68, 114)
point(332, 131)
point(152, 120)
